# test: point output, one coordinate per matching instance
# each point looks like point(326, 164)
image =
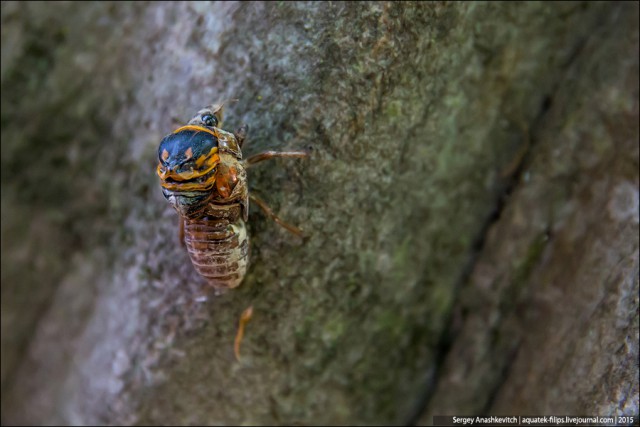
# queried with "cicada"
point(204, 177)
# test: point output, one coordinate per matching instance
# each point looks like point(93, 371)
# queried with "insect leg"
point(241, 134)
point(293, 229)
point(271, 154)
point(181, 232)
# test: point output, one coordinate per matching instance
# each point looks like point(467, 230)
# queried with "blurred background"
point(470, 205)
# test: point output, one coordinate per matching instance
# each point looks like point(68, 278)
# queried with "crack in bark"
point(513, 180)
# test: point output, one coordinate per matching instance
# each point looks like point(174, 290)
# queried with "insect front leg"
point(241, 134)
point(292, 228)
point(273, 154)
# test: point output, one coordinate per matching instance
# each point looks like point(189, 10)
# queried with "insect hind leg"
point(291, 228)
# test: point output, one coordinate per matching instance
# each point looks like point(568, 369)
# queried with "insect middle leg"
point(292, 228)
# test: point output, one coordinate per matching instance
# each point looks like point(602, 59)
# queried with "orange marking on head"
point(184, 185)
point(182, 181)
point(196, 128)
point(165, 154)
point(188, 154)
point(190, 174)
point(200, 160)
point(189, 186)
point(161, 171)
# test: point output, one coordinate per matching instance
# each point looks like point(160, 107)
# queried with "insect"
point(203, 176)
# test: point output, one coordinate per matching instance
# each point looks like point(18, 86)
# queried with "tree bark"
point(470, 208)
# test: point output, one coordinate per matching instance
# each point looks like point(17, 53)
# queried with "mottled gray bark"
point(470, 205)
point(549, 318)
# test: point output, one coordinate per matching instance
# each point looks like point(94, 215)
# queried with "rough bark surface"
point(470, 206)
point(548, 323)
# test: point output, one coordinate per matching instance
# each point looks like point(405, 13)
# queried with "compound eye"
point(209, 120)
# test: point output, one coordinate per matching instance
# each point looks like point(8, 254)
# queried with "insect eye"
point(209, 120)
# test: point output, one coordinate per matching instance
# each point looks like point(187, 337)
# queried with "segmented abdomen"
point(218, 248)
